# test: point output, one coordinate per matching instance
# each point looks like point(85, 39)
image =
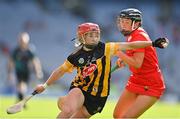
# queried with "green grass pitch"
point(46, 108)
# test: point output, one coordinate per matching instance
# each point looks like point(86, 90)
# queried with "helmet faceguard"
point(85, 28)
point(131, 13)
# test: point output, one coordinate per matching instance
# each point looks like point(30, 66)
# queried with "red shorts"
point(151, 84)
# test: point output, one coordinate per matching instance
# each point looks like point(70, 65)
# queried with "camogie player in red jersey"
point(146, 83)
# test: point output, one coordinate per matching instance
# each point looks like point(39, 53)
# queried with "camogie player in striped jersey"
point(90, 88)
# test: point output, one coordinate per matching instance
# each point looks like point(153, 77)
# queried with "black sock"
point(20, 96)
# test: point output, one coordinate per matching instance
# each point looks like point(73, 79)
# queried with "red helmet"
point(86, 27)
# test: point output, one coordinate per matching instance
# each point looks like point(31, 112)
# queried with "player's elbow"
point(136, 65)
point(59, 72)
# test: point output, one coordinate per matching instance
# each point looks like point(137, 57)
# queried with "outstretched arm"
point(56, 74)
point(134, 45)
point(160, 43)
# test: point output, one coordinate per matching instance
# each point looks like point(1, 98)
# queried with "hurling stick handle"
point(34, 92)
point(29, 97)
point(114, 68)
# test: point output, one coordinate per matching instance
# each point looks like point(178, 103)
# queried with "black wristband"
point(153, 44)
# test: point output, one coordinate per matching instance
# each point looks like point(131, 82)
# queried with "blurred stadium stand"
point(52, 24)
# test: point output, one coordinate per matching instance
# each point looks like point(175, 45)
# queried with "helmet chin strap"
point(87, 46)
point(127, 33)
point(90, 47)
point(132, 27)
point(83, 41)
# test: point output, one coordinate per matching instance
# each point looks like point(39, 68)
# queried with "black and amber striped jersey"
point(93, 69)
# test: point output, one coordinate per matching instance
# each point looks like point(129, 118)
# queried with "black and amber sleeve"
point(112, 48)
point(67, 67)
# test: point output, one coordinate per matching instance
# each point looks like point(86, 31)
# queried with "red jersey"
point(147, 79)
point(150, 62)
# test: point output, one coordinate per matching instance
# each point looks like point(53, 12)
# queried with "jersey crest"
point(87, 71)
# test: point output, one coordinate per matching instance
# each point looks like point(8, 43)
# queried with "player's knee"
point(130, 115)
point(64, 105)
point(61, 102)
point(123, 116)
point(117, 114)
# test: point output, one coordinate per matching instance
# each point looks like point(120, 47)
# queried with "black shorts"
point(94, 104)
point(22, 76)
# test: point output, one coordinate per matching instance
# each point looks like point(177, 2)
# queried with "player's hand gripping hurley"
point(160, 43)
point(20, 105)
